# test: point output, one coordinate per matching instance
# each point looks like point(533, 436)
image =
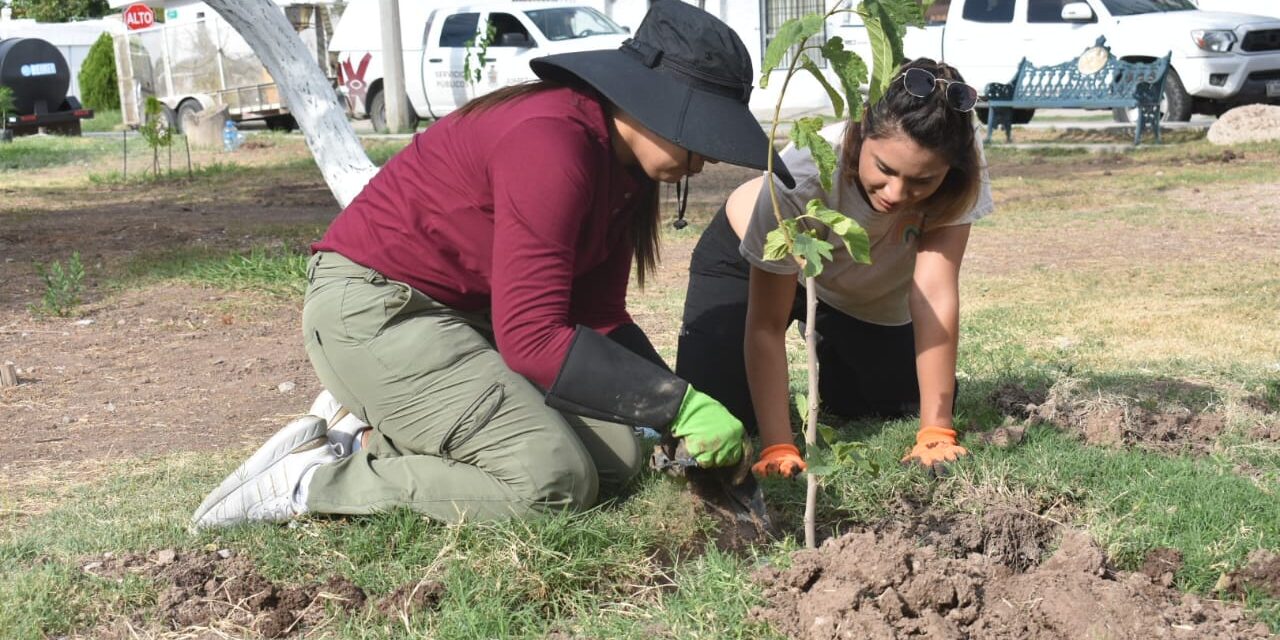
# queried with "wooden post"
point(8, 375)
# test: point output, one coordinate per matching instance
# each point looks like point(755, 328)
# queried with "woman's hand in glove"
point(711, 434)
point(935, 447)
point(780, 459)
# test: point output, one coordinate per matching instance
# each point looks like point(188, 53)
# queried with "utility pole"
point(393, 67)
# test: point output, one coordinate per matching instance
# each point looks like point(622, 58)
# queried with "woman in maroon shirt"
point(467, 310)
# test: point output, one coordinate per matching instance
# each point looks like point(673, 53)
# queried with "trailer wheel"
point(378, 113)
point(187, 115)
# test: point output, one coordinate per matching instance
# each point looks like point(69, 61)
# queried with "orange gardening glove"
point(780, 459)
point(935, 447)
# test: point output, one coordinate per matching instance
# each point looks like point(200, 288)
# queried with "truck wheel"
point(1176, 103)
point(378, 113)
point(187, 115)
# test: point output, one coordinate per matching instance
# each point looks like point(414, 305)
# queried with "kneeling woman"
point(911, 174)
point(481, 276)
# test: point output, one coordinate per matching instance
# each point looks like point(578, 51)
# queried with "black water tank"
point(36, 72)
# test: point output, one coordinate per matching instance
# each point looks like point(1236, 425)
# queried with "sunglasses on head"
point(921, 84)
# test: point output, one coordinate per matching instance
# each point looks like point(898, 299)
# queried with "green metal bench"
point(1093, 80)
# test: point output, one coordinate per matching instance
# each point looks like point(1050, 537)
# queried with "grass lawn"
point(1140, 285)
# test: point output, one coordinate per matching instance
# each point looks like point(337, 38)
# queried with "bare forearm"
point(937, 329)
point(767, 376)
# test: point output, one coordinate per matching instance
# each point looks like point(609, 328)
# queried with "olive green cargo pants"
point(456, 433)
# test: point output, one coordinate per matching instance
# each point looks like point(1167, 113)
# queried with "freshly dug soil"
point(882, 583)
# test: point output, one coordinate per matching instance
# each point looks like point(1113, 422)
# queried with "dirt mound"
point(1113, 420)
point(1250, 123)
point(882, 584)
point(221, 590)
point(1261, 572)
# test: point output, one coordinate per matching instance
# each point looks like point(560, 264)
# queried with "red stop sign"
point(139, 16)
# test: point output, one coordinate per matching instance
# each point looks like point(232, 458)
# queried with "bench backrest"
point(1116, 79)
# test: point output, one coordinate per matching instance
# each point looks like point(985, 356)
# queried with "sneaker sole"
point(300, 435)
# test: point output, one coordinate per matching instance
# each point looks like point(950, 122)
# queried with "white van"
point(439, 45)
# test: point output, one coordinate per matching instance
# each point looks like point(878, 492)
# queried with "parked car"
point(442, 44)
point(1220, 60)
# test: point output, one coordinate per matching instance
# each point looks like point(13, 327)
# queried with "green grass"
point(37, 152)
point(103, 120)
point(279, 271)
point(613, 572)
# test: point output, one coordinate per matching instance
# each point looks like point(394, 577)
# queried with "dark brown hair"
point(645, 218)
point(931, 123)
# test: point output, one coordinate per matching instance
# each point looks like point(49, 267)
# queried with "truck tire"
point(187, 114)
point(378, 113)
point(1176, 104)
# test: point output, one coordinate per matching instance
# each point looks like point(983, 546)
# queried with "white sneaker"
point(344, 426)
point(265, 487)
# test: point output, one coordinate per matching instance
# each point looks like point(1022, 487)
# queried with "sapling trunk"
point(809, 247)
point(811, 429)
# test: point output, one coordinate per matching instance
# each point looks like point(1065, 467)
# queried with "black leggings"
point(864, 369)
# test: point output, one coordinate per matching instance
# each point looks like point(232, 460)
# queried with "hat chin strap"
point(682, 197)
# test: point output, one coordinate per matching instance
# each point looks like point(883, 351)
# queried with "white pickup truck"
point(1220, 60)
point(440, 44)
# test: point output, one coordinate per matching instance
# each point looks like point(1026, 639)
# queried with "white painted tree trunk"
point(311, 99)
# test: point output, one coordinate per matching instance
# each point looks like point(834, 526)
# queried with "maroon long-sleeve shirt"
point(522, 209)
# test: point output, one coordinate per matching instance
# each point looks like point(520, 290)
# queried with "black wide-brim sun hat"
point(686, 76)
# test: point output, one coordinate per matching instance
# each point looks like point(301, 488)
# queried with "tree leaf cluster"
point(60, 10)
point(98, 84)
point(6, 105)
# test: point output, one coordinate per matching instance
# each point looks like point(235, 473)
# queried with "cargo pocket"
point(394, 301)
point(472, 420)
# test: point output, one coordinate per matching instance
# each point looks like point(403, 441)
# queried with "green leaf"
point(790, 34)
point(851, 70)
point(802, 407)
point(886, 44)
point(813, 250)
point(906, 13)
point(828, 434)
point(805, 133)
point(776, 246)
point(854, 236)
point(837, 102)
point(819, 462)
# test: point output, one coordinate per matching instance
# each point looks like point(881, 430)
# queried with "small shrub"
point(62, 285)
point(98, 85)
point(6, 104)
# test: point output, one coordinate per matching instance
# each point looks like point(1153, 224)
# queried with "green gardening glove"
point(711, 434)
